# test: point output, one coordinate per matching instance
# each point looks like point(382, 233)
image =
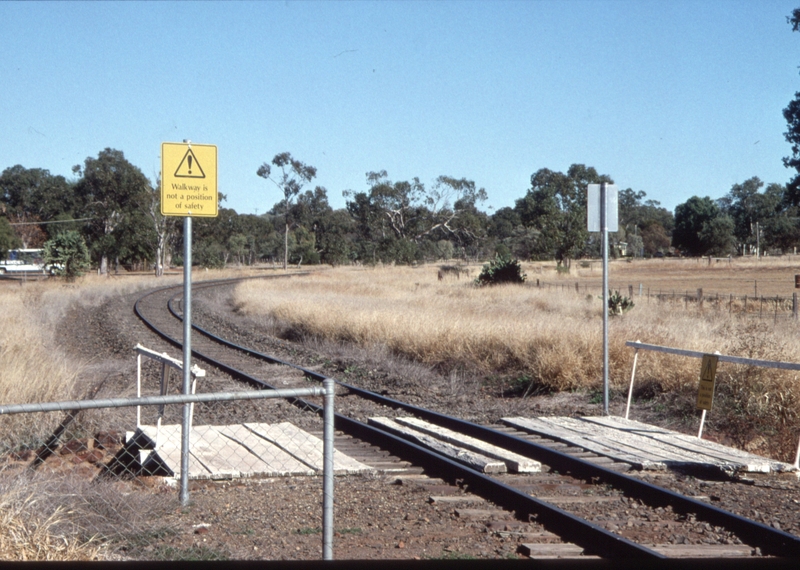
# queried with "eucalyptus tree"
point(110, 189)
point(332, 229)
point(293, 176)
point(751, 210)
point(33, 195)
point(393, 219)
point(702, 228)
point(555, 208)
point(792, 115)
point(8, 239)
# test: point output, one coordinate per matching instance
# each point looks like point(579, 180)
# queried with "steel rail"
point(770, 540)
point(592, 538)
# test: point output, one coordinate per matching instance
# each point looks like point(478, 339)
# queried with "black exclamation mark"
point(190, 163)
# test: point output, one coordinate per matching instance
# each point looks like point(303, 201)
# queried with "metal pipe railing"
point(637, 345)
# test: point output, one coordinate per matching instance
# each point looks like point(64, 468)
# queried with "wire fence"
point(80, 480)
point(756, 306)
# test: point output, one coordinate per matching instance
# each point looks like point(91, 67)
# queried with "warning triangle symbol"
point(189, 167)
point(709, 369)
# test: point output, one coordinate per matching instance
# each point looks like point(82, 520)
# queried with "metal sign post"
point(188, 188)
point(602, 216)
point(187, 355)
point(604, 234)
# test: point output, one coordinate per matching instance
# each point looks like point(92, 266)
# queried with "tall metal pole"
point(604, 232)
point(187, 355)
point(327, 481)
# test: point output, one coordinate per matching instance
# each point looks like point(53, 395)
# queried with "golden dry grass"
point(544, 336)
point(27, 534)
point(33, 367)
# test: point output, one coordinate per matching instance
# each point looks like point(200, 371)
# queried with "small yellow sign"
point(708, 373)
point(189, 180)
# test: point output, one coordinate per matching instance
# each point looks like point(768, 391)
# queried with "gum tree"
point(293, 176)
point(792, 115)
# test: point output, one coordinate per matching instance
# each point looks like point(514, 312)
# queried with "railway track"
point(580, 504)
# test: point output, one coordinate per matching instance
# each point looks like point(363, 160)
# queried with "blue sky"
point(676, 98)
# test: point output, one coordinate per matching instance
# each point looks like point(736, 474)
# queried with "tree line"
point(109, 215)
point(112, 210)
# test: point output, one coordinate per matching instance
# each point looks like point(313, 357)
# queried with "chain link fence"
point(81, 481)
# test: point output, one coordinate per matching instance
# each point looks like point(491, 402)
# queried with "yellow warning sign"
point(189, 180)
point(708, 373)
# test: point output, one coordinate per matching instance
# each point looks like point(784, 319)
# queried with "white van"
point(23, 260)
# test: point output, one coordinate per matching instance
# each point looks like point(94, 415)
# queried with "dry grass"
point(33, 368)
point(29, 530)
point(551, 337)
point(543, 338)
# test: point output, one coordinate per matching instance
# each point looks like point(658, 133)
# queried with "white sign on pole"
point(593, 208)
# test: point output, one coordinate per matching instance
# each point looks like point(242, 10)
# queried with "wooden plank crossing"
point(514, 462)
point(645, 446)
point(692, 444)
point(573, 551)
point(478, 454)
point(235, 451)
point(475, 460)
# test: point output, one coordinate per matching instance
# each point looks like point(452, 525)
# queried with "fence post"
point(630, 389)
point(630, 291)
point(700, 296)
point(327, 475)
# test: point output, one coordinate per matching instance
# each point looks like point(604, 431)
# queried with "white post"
point(630, 389)
point(702, 421)
point(138, 389)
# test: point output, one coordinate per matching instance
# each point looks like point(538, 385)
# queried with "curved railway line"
point(579, 504)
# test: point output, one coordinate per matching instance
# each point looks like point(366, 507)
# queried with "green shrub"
point(66, 254)
point(617, 304)
point(501, 269)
